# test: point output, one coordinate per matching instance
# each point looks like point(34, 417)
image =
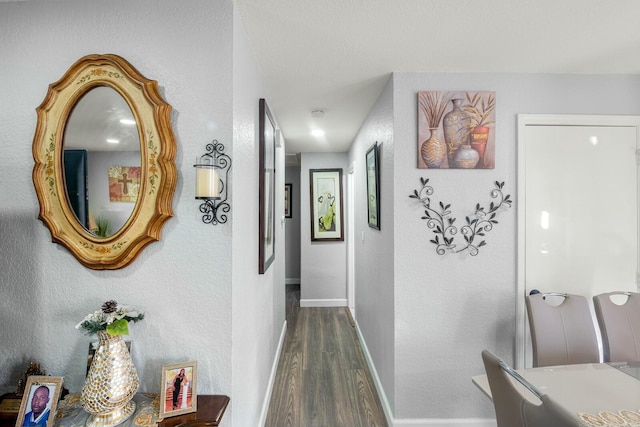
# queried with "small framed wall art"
point(178, 392)
point(373, 187)
point(267, 187)
point(456, 130)
point(326, 204)
point(287, 200)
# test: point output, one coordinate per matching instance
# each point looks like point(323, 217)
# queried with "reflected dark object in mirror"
point(75, 178)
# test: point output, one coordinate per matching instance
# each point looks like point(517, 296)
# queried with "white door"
point(577, 209)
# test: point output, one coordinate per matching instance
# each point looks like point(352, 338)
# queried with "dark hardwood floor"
point(323, 379)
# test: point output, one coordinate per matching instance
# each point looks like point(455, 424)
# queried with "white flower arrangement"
point(112, 318)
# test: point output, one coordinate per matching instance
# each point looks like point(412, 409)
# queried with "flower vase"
point(433, 150)
point(456, 129)
point(111, 383)
point(479, 138)
point(466, 157)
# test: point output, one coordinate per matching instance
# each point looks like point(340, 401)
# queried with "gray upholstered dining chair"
point(619, 325)
point(515, 410)
point(561, 334)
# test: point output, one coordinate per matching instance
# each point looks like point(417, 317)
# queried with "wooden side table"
point(9, 408)
point(211, 408)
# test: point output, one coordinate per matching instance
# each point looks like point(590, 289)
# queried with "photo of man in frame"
point(39, 406)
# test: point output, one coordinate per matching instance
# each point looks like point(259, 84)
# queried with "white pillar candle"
point(207, 182)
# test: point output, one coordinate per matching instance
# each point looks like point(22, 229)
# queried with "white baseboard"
point(413, 422)
point(445, 422)
point(272, 377)
point(323, 303)
point(292, 281)
point(388, 413)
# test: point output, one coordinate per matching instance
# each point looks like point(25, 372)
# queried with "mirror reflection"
point(102, 161)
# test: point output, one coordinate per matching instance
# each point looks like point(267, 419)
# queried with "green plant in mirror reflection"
point(104, 227)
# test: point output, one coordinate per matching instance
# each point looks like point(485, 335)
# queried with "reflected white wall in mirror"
point(102, 124)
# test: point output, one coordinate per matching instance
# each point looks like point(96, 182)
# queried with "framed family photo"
point(267, 187)
point(39, 401)
point(326, 204)
point(178, 393)
point(373, 187)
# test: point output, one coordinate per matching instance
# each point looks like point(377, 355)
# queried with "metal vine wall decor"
point(439, 220)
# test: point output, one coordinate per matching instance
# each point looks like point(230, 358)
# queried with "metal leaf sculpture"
point(441, 222)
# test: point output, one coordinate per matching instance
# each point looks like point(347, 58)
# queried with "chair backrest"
point(515, 410)
point(619, 326)
point(561, 334)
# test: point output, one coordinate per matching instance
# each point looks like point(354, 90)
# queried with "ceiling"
point(101, 121)
point(337, 55)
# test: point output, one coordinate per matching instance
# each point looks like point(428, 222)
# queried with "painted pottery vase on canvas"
point(479, 137)
point(111, 383)
point(456, 129)
point(466, 157)
point(433, 150)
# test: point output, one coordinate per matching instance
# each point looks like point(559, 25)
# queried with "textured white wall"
point(374, 263)
point(45, 290)
point(258, 300)
point(323, 265)
point(448, 308)
point(184, 282)
point(425, 318)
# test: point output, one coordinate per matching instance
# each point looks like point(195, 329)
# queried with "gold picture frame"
point(39, 401)
point(158, 173)
point(177, 402)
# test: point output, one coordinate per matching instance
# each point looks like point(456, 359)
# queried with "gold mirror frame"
point(157, 151)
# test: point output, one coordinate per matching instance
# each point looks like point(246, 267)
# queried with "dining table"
point(600, 394)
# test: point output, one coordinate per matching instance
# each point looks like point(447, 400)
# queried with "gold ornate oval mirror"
point(104, 171)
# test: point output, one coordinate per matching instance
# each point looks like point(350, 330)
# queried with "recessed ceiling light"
point(113, 141)
point(318, 113)
point(318, 133)
point(127, 121)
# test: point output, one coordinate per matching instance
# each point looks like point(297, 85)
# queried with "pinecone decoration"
point(109, 307)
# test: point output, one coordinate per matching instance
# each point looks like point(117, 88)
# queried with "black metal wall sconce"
point(212, 173)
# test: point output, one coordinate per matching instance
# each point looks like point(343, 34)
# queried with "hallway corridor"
point(323, 379)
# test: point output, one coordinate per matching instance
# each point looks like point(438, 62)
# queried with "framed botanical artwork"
point(373, 187)
point(326, 204)
point(39, 401)
point(267, 188)
point(178, 392)
point(287, 200)
point(456, 130)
